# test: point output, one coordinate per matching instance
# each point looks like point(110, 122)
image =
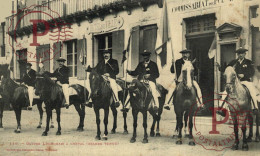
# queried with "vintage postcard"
point(130, 77)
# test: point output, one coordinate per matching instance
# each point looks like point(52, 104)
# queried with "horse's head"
point(230, 77)
point(187, 74)
point(95, 82)
point(137, 92)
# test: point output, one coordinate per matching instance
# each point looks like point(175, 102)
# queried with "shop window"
point(72, 57)
point(200, 24)
point(104, 43)
point(41, 51)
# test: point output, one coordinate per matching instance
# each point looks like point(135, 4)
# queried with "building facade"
point(92, 26)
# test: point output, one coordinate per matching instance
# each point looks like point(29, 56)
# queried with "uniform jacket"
point(178, 65)
point(62, 74)
point(141, 70)
point(246, 68)
point(29, 78)
point(110, 67)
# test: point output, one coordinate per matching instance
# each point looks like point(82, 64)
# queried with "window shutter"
point(56, 54)
point(117, 50)
point(149, 40)
point(46, 58)
point(135, 41)
point(81, 52)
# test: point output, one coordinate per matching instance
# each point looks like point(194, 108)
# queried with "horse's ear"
point(89, 69)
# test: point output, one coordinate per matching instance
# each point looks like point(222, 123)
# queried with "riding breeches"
point(65, 89)
point(30, 94)
point(114, 88)
point(154, 93)
point(172, 88)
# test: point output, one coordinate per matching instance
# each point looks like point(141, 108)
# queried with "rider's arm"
point(250, 70)
point(115, 67)
point(137, 71)
point(154, 72)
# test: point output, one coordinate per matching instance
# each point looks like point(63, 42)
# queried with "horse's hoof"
point(1, 126)
point(133, 140)
point(245, 147)
point(17, 131)
point(249, 139)
point(179, 142)
point(104, 137)
point(44, 134)
point(39, 126)
point(152, 133)
point(257, 139)
point(113, 131)
point(235, 147)
point(80, 129)
point(158, 134)
point(192, 143)
point(52, 126)
point(186, 136)
point(58, 133)
point(174, 136)
point(98, 138)
point(145, 141)
point(125, 132)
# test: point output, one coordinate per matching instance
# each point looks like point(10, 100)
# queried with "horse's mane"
point(230, 69)
point(187, 65)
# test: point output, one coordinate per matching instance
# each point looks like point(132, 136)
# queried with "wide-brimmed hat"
point(146, 53)
point(61, 59)
point(185, 51)
point(241, 50)
point(28, 64)
point(107, 51)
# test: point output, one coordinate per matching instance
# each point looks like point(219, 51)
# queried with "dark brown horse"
point(240, 105)
point(102, 99)
point(185, 102)
point(141, 101)
point(53, 97)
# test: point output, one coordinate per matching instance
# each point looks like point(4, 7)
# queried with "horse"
point(141, 101)
point(53, 97)
point(239, 105)
point(102, 97)
point(185, 102)
point(3, 69)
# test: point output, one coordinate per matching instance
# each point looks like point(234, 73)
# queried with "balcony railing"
point(84, 9)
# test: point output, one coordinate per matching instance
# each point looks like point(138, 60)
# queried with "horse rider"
point(29, 78)
point(178, 64)
point(108, 68)
point(245, 71)
point(62, 75)
point(146, 70)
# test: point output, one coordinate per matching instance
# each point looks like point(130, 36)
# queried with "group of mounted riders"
point(147, 72)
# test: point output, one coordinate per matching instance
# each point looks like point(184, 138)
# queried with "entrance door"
point(22, 60)
point(200, 47)
point(227, 55)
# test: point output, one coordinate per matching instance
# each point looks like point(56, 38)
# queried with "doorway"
point(205, 66)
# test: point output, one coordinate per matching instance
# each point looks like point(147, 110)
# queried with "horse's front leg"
point(18, 112)
point(49, 113)
point(125, 123)
point(1, 113)
point(135, 115)
point(186, 115)
point(191, 142)
point(58, 120)
point(39, 106)
point(179, 128)
point(77, 107)
point(257, 136)
point(251, 122)
point(98, 123)
point(235, 146)
point(145, 140)
point(105, 123)
point(114, 111)
point(245, 145)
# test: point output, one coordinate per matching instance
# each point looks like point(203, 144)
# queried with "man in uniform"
point(107, 67)
point(147, 70)
point(245, 70)
point(29, 79)
point(178, 64)
point(62, 75)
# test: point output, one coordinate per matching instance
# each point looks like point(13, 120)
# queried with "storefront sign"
point(106, 25)
point(198, 5)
